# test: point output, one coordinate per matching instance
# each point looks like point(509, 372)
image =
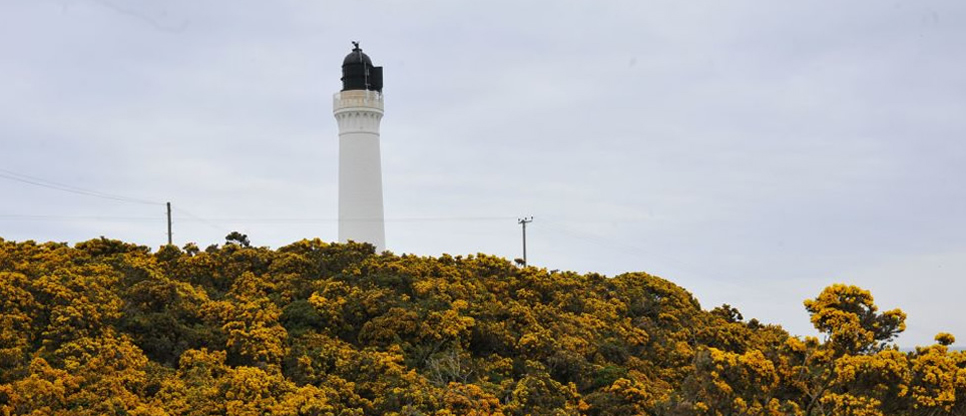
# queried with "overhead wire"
point(216, 223)
point(307, 220)
point(19, 177)
point(189, 217)
point(32, 180)
point(630, 248)
point(207, 222)
point(31, 217)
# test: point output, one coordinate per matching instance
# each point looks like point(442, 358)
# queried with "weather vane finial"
point(356, 44)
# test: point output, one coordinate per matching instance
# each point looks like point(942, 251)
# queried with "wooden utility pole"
point(169, 223)
point(524, 221)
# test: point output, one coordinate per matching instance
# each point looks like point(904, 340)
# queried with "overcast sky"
point(752, 152)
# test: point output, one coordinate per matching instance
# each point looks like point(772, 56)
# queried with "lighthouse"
point(358, 109)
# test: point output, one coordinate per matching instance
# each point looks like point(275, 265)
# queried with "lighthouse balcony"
point(357, 99)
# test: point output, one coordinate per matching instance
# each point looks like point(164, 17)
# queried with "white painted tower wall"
point(359, 113)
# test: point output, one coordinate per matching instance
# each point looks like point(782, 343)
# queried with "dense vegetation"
point(105, 327)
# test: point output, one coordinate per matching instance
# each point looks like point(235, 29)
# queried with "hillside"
point(312, 328)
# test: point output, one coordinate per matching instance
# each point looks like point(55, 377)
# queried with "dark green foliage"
point(342, 330)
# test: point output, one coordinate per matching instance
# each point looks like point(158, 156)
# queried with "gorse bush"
point(110, 328)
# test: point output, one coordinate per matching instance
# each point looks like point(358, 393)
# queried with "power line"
point(207, 222)
point(31, 180)
point(217, 224)
point(635, 249)
point(29, 217)
point(306, 220)
point(440, 219)
point(189, 217)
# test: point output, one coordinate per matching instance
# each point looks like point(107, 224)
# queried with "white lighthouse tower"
point(358, 108)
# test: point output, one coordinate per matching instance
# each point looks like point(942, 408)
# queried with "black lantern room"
point(358, 72)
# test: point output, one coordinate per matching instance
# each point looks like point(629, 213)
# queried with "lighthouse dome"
point(357, 57)
point(358, 73)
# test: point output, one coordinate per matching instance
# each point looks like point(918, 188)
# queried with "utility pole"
point(169, 223)
point(524, 221)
